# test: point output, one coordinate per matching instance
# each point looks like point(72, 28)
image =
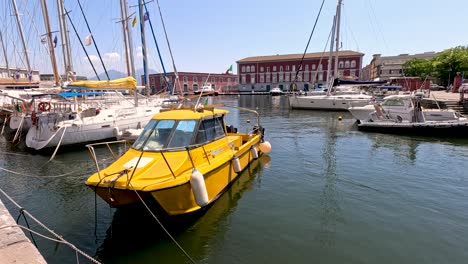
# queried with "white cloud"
point(93, 58)
point(112, 57)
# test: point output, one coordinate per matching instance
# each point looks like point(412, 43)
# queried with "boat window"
point(158, 138)
point(210, 129)
point(393, 102)
point(182, 134)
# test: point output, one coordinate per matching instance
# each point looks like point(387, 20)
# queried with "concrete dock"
point(15, 247)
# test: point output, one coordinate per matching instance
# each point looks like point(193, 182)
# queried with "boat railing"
point(108, 145)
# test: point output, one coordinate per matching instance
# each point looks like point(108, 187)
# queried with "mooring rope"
point(162, 226)
point(60, 239)
point(38, 176)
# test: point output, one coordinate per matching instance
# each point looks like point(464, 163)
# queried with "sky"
point(211, 35)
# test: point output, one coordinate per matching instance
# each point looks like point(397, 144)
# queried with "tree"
point(449, 62)
point(418, 68)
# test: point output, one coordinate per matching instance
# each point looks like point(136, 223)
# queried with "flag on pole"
point(88, 40)
point(55, 41)
point(229, 70)
point(134, 21)
point(146, 16)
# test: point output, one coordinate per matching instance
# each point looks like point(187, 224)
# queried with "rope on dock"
point(59, 239)
point(162, 226)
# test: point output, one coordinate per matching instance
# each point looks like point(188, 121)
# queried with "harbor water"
point(327, 193)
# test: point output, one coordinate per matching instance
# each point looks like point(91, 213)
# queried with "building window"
point(287, 67)
point(299, 77)
point(185, 79)
point(161, 79)
point(280, 77)
point(252, 78)
point(195, 79)
point(353, 64)
point(281, 68)
point(247, 68)
point(340, 73)
point(346, 64)
point(313, 67)
point(340, 64)
point(243, 68)
point(243, 79)
point(286, 77)
point(252, 68)
point(220, 79)
point(268, 69)
point(262, 78)
point(401, 71)
point(320, 76)
point(229, 80)
point(274, 78)
point(203, 80)
point(274, 68)
point(261, 69)
point(352, 73)
point(268, 78)
point(320, 67)
point(307, 67)
point(294, 68)
point(306, 77)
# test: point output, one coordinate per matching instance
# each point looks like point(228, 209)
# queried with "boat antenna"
point(299, 67)
point(84, 49)
point(199, 97)
point(92, 39)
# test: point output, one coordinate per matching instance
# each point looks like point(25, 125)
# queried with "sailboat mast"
point(130, 39)
point(45, 14)
point(5, 54)
point(330, 56)
point(124, 26)
point(337, 44)
point(20, 29)
point(143, 46)
point(67, 63)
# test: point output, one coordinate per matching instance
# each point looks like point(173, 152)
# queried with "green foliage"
point(444, 66)
point(450, 62)
point(418, 67)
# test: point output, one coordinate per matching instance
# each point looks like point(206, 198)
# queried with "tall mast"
point(67, 62)
point(337, 44)
point(143, 46)
point(45, 14)
point(330, 56)
point(124, 31)
point(20, 29)
point(5, 54)
point(130, 40)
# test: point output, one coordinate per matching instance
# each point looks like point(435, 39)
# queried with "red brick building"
point(262, 73)
point(192, 81)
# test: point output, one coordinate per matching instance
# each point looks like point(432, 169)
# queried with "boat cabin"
point(186, 128)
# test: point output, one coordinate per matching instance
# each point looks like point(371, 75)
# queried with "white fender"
point(254, 152)
point(236, 164)
point(197, 181)
point(265, 147)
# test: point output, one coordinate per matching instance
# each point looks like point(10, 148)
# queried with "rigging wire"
point(59, 238)
point(308, 42)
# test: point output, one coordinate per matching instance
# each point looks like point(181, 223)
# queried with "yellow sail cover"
point(122, 83)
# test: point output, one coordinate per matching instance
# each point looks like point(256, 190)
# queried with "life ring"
point(43, 106)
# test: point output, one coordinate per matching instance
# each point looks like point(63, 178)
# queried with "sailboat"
point(332, 101)
point(90, 124)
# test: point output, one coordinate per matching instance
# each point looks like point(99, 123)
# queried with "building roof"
point(287, 57)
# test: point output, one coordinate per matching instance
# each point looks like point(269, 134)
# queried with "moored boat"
point(184, 159)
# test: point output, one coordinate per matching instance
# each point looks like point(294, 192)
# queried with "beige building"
point(385, 67)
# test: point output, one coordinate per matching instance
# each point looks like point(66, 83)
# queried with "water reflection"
point(135, 237)
point(330, 211)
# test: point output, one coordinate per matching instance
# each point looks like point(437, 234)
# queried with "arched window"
point(307, 67)
point(243, 68)
point(340, 64)
point(346, 64)
point(252, 68)
point(353, 64)
point(287, 67)
point(248, 68)
point(281, 68)
point(319, 67)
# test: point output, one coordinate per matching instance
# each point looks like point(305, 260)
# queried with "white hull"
point(107, 124)
point(331, 102)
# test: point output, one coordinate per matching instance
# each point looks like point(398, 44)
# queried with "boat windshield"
point(160, 134)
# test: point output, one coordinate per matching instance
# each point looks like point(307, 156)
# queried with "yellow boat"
point(184, 159)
